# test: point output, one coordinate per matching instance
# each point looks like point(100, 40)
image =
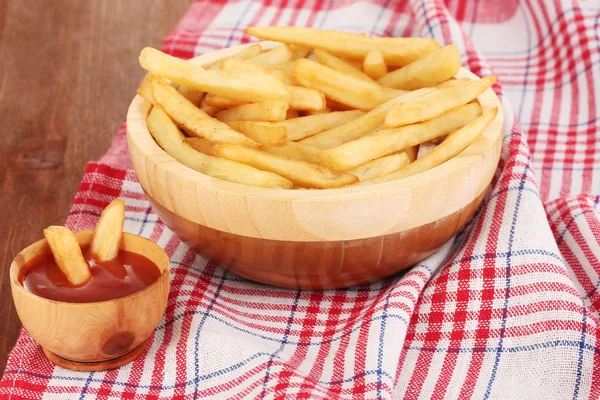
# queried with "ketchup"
point(127, 274)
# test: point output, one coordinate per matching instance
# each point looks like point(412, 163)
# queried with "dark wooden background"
point(68, 70)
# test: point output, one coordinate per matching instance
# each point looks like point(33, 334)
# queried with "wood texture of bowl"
point(93, 332)
point(315, 238)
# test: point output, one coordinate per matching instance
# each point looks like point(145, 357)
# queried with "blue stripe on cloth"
point(384, 316)
point(200, 326)
point(580, 357)
point(237, 23)
point(511, 238)
point(288, 328)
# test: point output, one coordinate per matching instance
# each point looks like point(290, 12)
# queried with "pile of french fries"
point(323, 110)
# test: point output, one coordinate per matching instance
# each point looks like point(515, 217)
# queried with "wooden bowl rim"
point(85, 237)
point(137, 132)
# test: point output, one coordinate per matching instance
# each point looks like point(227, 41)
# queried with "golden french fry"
point(244, 54)
point(360, 126)
point(352, 154)
point(229, 84)
point(234, 65)
point(342, 87)
point(109, 230)
point(305, 99)
point(285, 67)
point(449, 148)
point(304, 174)
point(192, 118)
point(297, 128)
point(263, 132)
point(274, 56)
point(396, 51)
point(451, 82)
point(437, 102)
point(299, 51)
point(380, 166)
point(221, 102)
point(411, 152)
point(302, 127)
point(208, 110)
point(292, 114)
point(315, 112)
point(200, 144)
point(171, 139)
point(145, 89)
point(341, 65)
point(436, 67)
point(67, 254)
point(265, 111)
point(193, 96)
point(374, 64)
point(295, 151)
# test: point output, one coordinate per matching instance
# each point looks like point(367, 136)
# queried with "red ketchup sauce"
point(127, 274)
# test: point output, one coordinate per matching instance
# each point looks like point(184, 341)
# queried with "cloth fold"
point(509, 308)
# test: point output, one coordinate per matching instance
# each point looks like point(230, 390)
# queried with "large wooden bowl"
point(314, 238)
point(93, 336)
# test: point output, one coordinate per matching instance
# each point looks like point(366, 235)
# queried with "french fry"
point(304, 99)
point(192, 118)
point(302, 127)
point(145, 89)
point(221, 102)
point(285, 67)
point(301, 173)
point(360, 126)
point(295, 151)
point(193, 96)
point(263, 132)
point(291, 114)
point(296, 128)
point(341, 65)
point(265, 111)
point(396, 51)
point(342, 87)
point(229, 84)
point(449, 148)
point(244, 54)
point(67, 254)
point(374, 64)
point(234, 65)
point(411, 152)
point(380, 166)
point(315, 112)
point(109, 230)
point(436, 67)
point(437, 102)
point(274, 56)
point(200, 144)
point(208, 110)
point(352, 154)
point(171, 139)
point(299, 51)
point(451, 82)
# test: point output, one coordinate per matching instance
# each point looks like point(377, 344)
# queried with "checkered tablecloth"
point(508, 309)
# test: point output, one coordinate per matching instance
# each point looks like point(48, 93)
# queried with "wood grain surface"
point(68, 71)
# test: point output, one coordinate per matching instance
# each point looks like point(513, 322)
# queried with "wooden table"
point(68, 70)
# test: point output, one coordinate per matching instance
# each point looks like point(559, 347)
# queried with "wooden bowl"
point(315, 238)
point(93, 336)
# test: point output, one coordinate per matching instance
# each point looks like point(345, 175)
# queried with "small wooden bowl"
point(93, 336)
point(315, 238)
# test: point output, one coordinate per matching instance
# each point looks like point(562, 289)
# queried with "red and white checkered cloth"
point(510, 308)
